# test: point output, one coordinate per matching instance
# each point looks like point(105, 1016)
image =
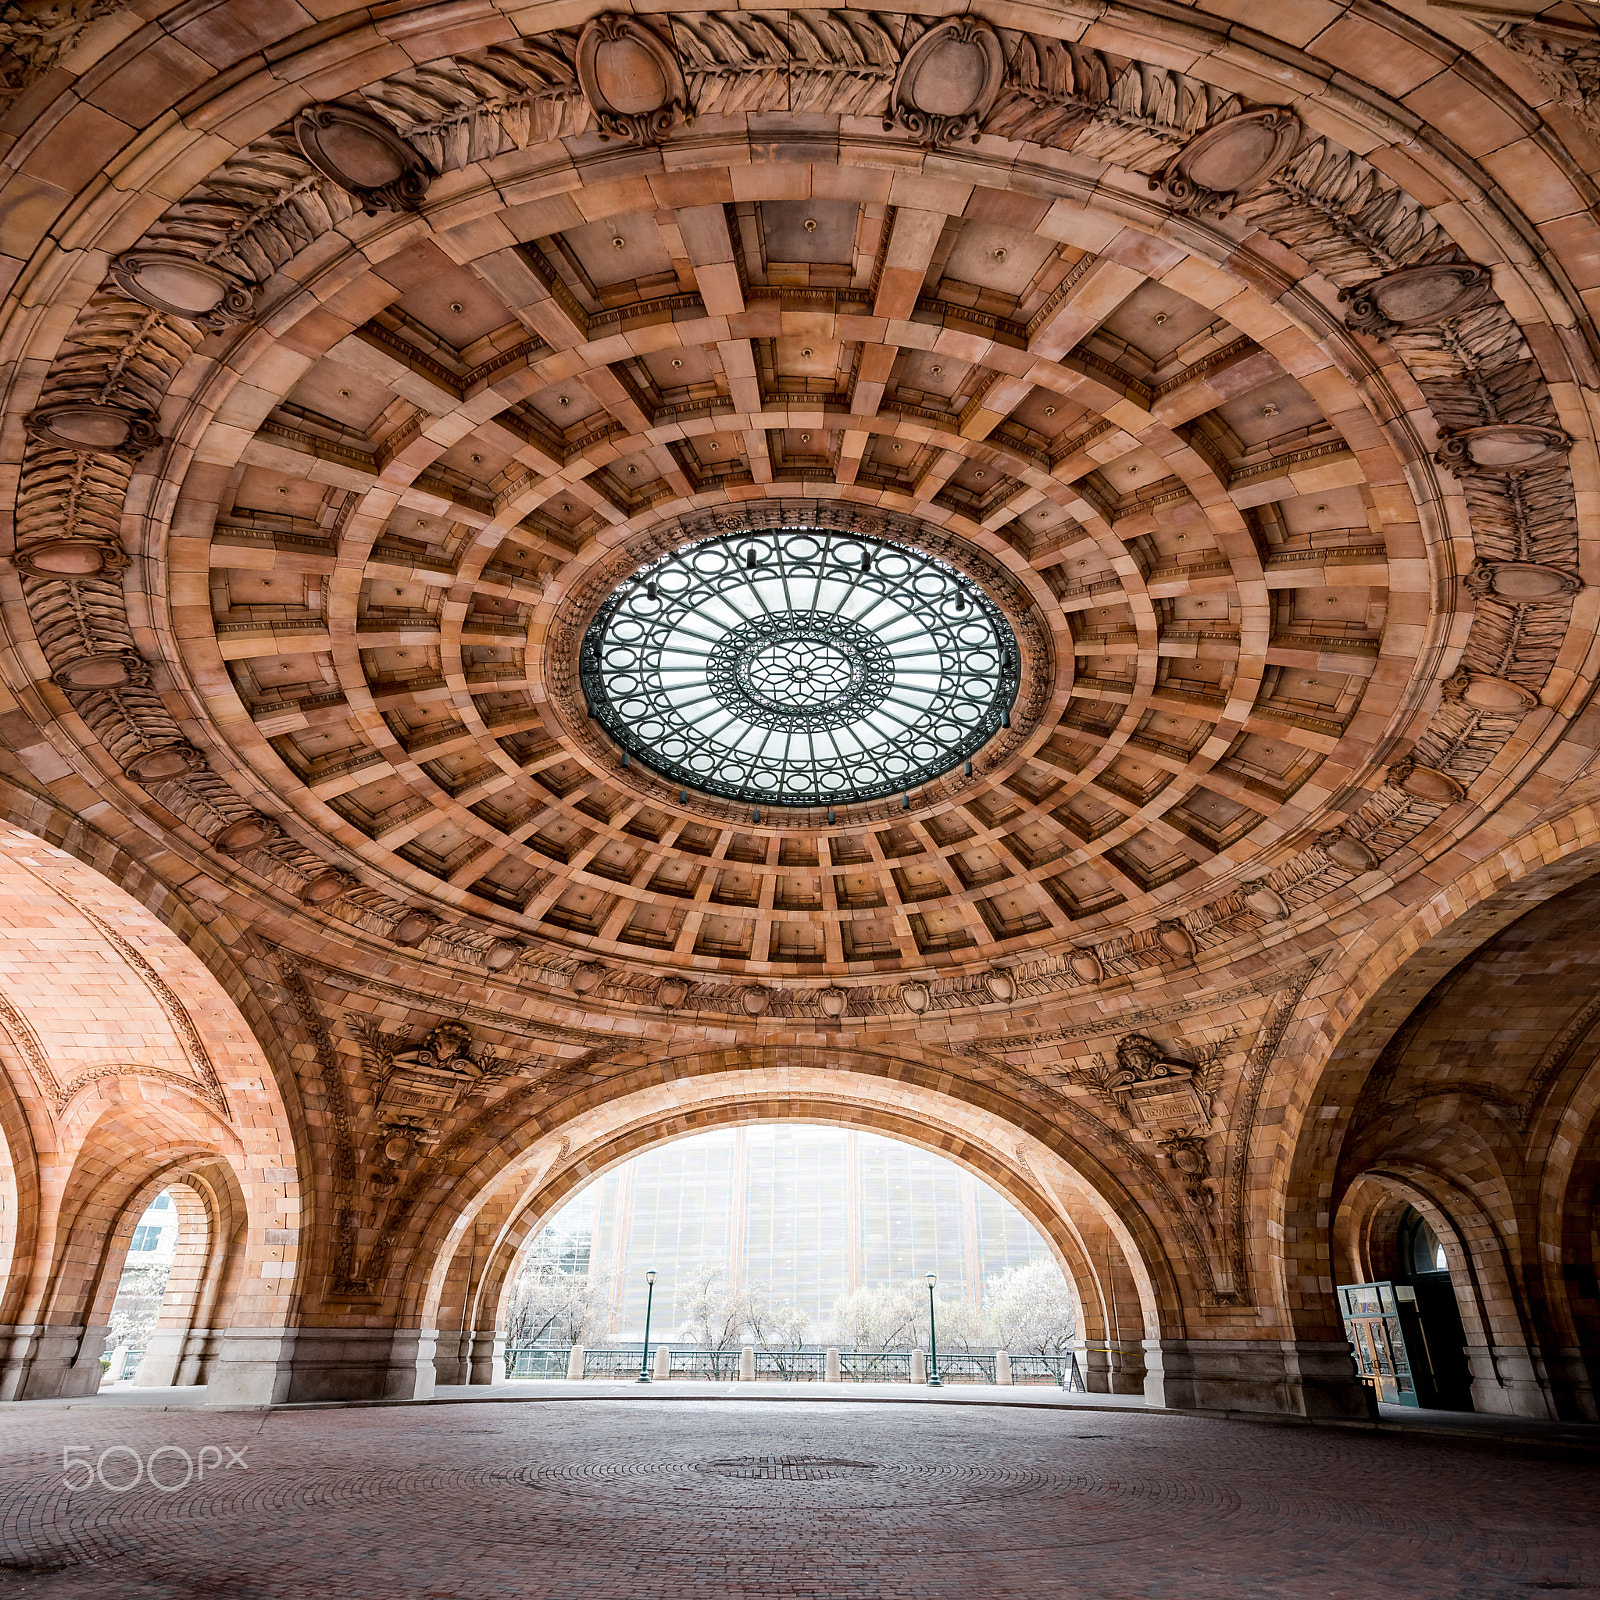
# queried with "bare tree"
point(773, 1326)
point(554, 1299)
point(880, 1316)
point(1031, 1310)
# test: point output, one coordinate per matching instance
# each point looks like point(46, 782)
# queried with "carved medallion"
point(1347, 851)
point(948, 83)
point(1501, 450)
point(503, 953)
point(1426, 783)
point(671, 992)
point(1176, 940)
point(248, 833)
point(106, 669)
point(1086, 966)
point(82, 426)
point(1228, 160)
point(755, 1000)
point(587, 977)
point(631, 79)
point(1416, 297)
point(1000, 986)
point(165, 762)
point(326, 887)
point(183, 287)
point(362, 153)
point(1485, 692)
point(834, 1002)
point(916, 997)
point(1522, 582)
point(70, 558)
point(412, 927)
point(1265, 901)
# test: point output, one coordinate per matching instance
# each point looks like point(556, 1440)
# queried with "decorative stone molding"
point(1000, 987)
point(248, 833)
point(504, 953)
point(363, 154)
point(587, 977)
point(1151, 1088)
point(90, 426)
point(916, 997)
point(102, 670)
point(164, 763)
point(1417, 297)
point(1176, 939)
point(413, 926)
point(323, 888)
point(183, 287)
point(834, 1002)
point(1522, 582)
point(1229, 159)
point(1426, 783)
point(631, 79)
point(1344, 849)
point(755, 1000)
point(69, 559)
point(1264, 900)
point(1485, 692)
point(948, 83)
point(672, 992)
point(1501, 449)
point(1087, 966)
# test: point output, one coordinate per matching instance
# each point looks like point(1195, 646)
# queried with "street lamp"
point(650, 1300)
point(934, 1380)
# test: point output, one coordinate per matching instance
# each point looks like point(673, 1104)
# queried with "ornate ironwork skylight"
point(799, 667)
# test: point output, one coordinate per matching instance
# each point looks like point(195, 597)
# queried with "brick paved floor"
point(703, 1500)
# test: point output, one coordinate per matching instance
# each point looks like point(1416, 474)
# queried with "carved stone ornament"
point(1521, 582)
point(834, 1002)
point(183, 287)
point(1000, 986)
point(1227, 161)
point(672, 992)
point(503, 953)
point(422, 1086)
point(1426, 783)
point(1265, 901)
point(631, 79)
point(360, 152)
point(248, 833)
point(1176, 940)
point(88, 427)
point(1153, 1088)
point(165, 762)
point(70, 558)
point(587, 977)
point(755, 1000)
point(948, 83)
point(1347, 851)
point(326, 887)
point(1416, 297)
point(916, 997)
point(106, 669)
point(1501, 450)
point(1086, 966)
point(412, 927)
point(1485, 692)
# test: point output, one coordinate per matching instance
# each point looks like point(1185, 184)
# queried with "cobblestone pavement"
point(698, 1500)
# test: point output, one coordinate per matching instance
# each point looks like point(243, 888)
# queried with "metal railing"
point(875, 1366)
point(538, 1361)
point(966, 1369)
point(1060, 1370)
point(791, 1366)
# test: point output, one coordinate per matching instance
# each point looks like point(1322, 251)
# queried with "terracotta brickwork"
point(351, 363)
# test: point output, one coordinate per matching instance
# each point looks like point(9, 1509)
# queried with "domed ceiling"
point(1233, 483)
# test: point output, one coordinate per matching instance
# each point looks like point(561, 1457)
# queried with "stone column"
point(747, 1364)
point(830, 1367)
point(42, 1362)
point(269, 1366)
point(663, 1363)
point(488, 1358)
point(1284, 1377)
point(919, 1367)
point(1002, 1366)
point(575, 1364)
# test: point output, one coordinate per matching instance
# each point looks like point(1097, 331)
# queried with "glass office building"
point(808, 1212)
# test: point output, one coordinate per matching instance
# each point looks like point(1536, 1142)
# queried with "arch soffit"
point(1035, 1177)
